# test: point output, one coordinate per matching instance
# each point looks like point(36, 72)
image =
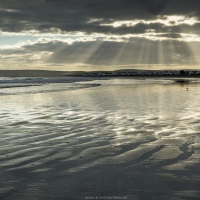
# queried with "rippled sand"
point(128, 138)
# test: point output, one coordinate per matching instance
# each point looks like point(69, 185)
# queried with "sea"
point(76, 138)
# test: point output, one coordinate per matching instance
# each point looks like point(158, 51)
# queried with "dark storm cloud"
point(79, 15)
point(132, 8)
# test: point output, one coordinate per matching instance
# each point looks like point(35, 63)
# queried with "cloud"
point(139, 51)
point(89, 15)
point(100, 32)
point(171, 21)
point(93, 53)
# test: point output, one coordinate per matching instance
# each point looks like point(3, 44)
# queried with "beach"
point(85, 138)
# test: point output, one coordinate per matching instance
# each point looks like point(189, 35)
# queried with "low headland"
point(145, 73)
point(116, 73)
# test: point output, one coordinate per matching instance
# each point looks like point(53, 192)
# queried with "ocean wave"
point(17, 89)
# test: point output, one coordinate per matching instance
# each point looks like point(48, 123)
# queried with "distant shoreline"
point(37, 73)
point(104, 74)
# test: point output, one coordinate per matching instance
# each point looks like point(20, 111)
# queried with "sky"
point(74, 35)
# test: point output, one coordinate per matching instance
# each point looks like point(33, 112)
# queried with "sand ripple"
point(47, 150)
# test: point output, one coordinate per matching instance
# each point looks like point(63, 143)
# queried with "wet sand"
point(116, 140)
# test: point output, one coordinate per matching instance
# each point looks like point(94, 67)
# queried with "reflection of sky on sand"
point(141, 138)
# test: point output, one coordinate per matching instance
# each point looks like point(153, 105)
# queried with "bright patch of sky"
point(13, 40)
point(172, 20)
point(18, 40)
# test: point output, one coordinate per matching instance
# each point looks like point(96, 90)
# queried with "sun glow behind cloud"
point(42, 51)
point(173, 20)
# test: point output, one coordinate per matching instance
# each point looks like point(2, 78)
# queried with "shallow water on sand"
point(132, 139)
